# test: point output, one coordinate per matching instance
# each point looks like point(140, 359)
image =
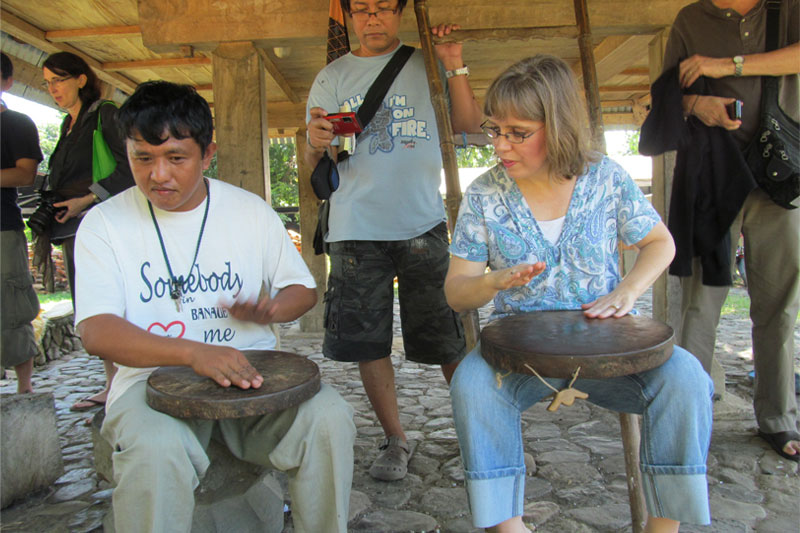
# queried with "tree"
point(48, 138)
point(475, 156)
point(632, 142)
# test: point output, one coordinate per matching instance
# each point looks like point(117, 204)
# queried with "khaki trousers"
point(772, 263)
point(158, 460)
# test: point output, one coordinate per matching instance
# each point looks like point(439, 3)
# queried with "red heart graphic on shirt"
point(170, 330)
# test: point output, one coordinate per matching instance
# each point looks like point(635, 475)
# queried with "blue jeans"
point(674, 399)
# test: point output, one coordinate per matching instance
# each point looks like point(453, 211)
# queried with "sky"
point(39, 113)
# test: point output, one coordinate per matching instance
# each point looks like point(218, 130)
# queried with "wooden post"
point(240, 107)
point(445, 128)
point(312, 321)
point(631, 439)
point(589, 69)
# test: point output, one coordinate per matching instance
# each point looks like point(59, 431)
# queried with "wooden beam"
point(625, 89)
point(240, 113)
point(590, 81)
point(313, 320)
point(90, 34)
point(157, 63)
point(34, 36)
point(511, 34)
point(276, 75)
point(635, 71)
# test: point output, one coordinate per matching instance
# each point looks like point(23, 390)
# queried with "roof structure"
point(130, 41)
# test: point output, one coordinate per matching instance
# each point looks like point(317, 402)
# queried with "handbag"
point(773, 154)
point(325, 176)
point(103, 162)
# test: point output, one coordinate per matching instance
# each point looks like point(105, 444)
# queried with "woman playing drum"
point(546, 221)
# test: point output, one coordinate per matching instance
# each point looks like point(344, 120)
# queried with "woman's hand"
point(617, 303)
point(515, 276)
point(73, 207)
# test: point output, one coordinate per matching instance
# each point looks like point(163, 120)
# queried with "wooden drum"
point(289, 380)
point(556, 343)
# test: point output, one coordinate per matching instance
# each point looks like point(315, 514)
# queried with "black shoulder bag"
point(325, 177)
point(773, 154)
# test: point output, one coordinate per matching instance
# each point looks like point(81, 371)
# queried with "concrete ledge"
point(31, 454)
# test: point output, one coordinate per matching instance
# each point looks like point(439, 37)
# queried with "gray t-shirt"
point(702, 28)
point(389, 187)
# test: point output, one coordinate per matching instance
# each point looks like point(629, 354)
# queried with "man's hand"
point(448, 53)
point(225, 365)
point(711, 111)
point(320, 131)
point(711, 67)
point(72, 207)
point(516, 276)
point(262, 311)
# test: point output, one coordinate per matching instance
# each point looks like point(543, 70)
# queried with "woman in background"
point(76, 89)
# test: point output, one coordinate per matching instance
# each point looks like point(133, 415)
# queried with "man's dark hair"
point(6, 66)
point(401, 4)
point(160, 109)
point(71, 65)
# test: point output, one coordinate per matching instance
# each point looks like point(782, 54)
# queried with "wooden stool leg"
point(629, 425)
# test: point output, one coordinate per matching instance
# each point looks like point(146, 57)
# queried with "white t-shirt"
point(120, 268)
point(389, 188)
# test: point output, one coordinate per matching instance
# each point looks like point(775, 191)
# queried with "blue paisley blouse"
point(496, 226)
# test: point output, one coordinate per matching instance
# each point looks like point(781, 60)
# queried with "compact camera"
point(344, 123)
point(42, 219)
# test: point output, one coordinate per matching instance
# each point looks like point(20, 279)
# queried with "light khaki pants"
point(772, 263)
point(158, 460)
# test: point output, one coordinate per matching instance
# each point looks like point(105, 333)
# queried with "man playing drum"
point(187, 271)
point(546, 221)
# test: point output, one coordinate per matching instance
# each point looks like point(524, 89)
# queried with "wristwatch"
point(463, 71)
point(738, 63)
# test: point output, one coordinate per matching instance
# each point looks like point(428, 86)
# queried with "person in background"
point(387, 217)
point(722, 43)
point(20, 155)
point(76, 89)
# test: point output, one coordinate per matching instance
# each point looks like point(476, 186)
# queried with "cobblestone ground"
point(577, 485)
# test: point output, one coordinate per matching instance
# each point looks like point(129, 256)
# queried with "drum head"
point(556, 343)
point(289, 380)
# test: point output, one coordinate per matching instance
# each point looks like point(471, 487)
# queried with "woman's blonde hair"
point(542, 89)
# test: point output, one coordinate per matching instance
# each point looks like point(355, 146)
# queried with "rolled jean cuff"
point(495, 499)
point(678, 497)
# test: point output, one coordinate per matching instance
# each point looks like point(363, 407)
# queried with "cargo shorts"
point(360, 299)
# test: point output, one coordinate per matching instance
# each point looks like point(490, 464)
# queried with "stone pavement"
point(576, 485)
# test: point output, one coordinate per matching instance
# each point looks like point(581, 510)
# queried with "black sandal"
point(778, 440)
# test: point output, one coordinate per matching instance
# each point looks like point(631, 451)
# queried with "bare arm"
point(778, 62)
point(290, 303)
point(114, 338)
point(465, 113)
point(21, 175)
point(468, 285)
point(656, 251)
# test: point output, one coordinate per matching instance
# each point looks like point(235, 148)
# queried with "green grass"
point(736, 304)
point(53, 297)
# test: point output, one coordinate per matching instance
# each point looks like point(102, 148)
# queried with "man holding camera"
point(387, 217)
point(723, 41)
point(21, 156)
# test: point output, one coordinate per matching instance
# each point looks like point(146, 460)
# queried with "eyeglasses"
point(514, 137)
point(46, 84)
point(362, 15)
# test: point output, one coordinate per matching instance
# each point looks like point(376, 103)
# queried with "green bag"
point(103, 162)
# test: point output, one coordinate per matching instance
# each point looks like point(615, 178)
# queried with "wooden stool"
point(556, 343)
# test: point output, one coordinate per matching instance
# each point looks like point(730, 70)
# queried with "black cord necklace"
point(176, 283)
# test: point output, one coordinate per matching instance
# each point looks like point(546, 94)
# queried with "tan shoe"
point(392, 463)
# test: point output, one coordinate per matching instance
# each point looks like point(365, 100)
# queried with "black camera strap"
point(378, 90)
